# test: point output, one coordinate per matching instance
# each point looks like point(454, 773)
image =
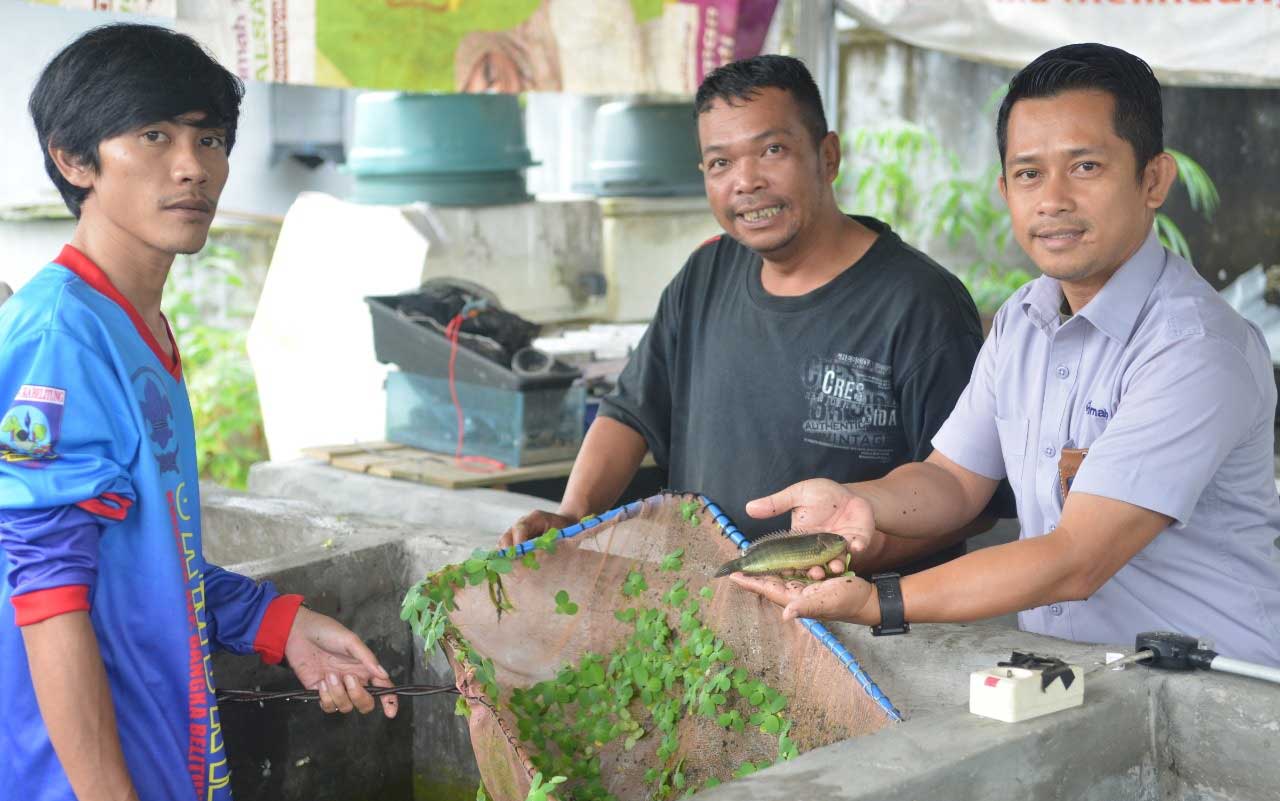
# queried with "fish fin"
point(781, 534)
point(727, 568)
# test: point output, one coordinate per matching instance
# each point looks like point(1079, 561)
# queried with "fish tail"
point(728, 567)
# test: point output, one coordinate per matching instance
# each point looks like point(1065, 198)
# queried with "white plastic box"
point(1014, 694)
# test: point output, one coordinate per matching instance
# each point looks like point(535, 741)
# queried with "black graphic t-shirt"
point(740, 393)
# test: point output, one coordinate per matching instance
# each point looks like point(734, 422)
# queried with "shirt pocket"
point(1013, 447)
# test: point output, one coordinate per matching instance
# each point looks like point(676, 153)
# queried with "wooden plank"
point(388, 460)
point(327, 452)
point(361, 462)
point(442, 471)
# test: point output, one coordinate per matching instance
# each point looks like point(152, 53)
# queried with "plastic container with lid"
point(454, 149)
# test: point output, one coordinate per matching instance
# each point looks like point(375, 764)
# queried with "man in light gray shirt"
point(1130, 407)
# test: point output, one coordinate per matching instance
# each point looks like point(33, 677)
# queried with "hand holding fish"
point(820, 504)
point(846, 598)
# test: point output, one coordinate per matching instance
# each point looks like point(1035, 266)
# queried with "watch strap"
point(892, 612)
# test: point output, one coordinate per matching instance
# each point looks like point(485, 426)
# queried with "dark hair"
point(743, 80)
point(117, 77)
point(1138, 117)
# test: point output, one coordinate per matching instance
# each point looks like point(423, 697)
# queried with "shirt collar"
point(1114, 310)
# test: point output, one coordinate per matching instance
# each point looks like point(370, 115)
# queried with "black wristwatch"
point(892, 615)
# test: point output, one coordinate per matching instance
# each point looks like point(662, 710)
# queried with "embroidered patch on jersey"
point(29, 430)
point(157, 411)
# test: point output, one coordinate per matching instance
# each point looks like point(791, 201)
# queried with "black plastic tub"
point(417, 348)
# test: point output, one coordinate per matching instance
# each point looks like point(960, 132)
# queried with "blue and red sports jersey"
point(100, 511)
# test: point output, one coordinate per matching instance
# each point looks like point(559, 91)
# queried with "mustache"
point(748, 205)
point(1057, 226)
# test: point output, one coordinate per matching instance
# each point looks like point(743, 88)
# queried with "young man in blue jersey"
point(108, 609)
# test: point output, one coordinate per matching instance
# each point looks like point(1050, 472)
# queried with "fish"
point(787, 550)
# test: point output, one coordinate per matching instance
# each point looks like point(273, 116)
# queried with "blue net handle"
point(728, 529)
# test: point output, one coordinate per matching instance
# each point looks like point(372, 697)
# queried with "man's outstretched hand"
point(821, 504)
point(328, 657)
point(844, 598)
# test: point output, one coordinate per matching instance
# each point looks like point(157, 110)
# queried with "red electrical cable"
point(483, 463)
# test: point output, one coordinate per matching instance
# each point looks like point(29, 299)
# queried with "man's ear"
point(1157, 179)
point(829, 153)
point(73, 168)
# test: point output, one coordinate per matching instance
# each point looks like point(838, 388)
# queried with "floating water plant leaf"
point(538, 791)
point(689, 511)
point(547, 541)
point(676, 595)
point(564, 606)
point(673, 561)
point(634, 584)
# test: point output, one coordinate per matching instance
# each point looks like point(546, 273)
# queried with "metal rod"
point(259, 696)
point(1241, 668)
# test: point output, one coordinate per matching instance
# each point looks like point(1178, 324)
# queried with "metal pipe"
point(1241, 668)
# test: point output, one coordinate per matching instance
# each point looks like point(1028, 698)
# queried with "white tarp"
point(1186, 42)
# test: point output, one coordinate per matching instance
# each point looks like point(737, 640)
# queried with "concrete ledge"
point(343, 492)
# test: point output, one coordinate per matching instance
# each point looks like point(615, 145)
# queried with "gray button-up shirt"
point(1172, 392)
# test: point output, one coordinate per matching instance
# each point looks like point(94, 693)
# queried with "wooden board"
point(388, 460)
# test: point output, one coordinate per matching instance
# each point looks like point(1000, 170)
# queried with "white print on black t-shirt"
point(851, 406)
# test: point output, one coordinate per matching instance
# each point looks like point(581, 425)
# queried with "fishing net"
point(605, 653)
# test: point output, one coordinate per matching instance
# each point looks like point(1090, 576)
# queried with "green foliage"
point(689, 511)
point(634, 584)
point(538, 791)
point(1202, 194)
point(673, 561)
point(908, 179)
point(990, 288)
point(563, 605)
point(220, 381)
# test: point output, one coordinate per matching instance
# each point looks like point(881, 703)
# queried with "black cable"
point(259, 696)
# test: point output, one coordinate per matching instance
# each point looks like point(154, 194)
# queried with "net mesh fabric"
point(531, 644)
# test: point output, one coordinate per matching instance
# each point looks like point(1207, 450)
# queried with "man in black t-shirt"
point(803, 343)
